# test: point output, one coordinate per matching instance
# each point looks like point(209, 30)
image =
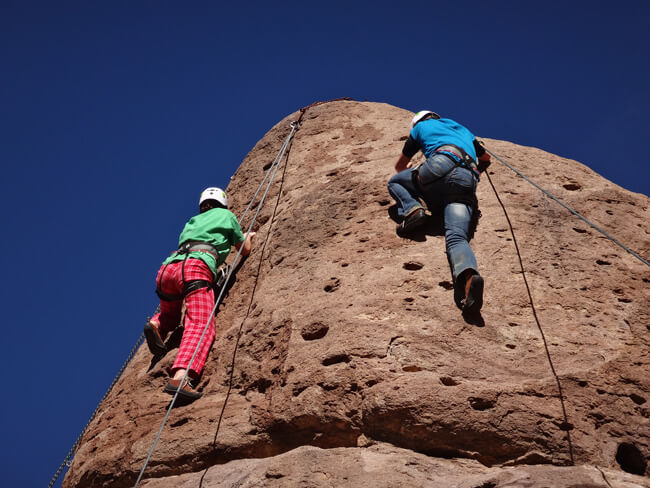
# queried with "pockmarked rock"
point(341, 359)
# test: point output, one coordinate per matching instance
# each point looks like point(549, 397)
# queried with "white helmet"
point(422, 114)
point(214, 193)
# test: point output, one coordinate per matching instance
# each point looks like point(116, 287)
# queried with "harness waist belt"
point(464, 159)
point(190, 246)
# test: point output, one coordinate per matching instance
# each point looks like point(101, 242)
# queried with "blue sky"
point(115, 115)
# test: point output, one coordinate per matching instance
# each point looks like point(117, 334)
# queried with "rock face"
point(342, 360)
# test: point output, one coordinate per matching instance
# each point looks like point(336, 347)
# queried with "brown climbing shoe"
point(154, 339)
point(414, 219)
point(473, 300)
point(186, 392)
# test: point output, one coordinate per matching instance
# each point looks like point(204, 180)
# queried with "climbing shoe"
point(412, 221)
point(473, 300)
point(186, 392)
point(154, 339)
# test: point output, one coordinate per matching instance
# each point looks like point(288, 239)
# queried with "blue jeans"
point(450, 187)
point(404, 192)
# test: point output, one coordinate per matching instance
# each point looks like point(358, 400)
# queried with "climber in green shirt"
point(189, 275)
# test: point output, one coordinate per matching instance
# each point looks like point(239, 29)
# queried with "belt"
point(190, 246)
point(462, 158)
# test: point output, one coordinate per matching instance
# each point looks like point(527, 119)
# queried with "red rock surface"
point(355, 368)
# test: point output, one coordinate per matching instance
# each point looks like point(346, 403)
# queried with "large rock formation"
point(352, 364)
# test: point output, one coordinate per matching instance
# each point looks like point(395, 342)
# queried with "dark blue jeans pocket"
point(462, 180)
point(434, 168)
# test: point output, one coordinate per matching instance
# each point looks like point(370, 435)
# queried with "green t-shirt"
point(218, 227)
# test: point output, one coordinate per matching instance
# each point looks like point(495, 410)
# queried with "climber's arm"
point(411, 147)
point(402, 163)
point(247, 244)
point(483, 156)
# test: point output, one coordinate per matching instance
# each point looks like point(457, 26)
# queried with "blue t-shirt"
point(431, 134)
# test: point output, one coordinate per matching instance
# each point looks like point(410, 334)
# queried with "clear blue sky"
point(115, 115)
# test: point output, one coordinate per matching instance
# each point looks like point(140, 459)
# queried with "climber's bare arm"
point(402, 163)
point(247, 244)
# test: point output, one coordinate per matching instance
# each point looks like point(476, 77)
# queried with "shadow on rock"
point(475, 319)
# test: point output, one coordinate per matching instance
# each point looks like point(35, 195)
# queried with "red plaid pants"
point(198, 307)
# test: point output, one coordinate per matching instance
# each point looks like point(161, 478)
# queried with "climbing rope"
point(566, 426)
point(71, 452)
point(295, 125)
point(248, 310)
point(553, 197)
point(315, 104)
point(272, 170)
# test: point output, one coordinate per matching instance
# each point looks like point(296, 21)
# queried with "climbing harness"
point(192, 285)
point(553, 197)
point(271, 171)
point(460, 157)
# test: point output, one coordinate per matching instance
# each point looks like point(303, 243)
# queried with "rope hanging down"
point(553, 197)
point(272, 170)
point(566, 426)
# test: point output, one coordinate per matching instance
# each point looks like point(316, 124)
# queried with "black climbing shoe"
point(154, 339)
point(412, 221)
point(473, 295)
point(186, 392)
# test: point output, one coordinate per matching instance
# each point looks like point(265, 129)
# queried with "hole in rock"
point(383, 203)
point(625, 300)
point(335, 359)
point(572, 186)
point(409, 299)
point(638, 399)
point(332, 173)
point(411, 369)
point(579, 231)
point(510, 346)
point(332, 286)
point(179, 423)
point(267, 166)
point(630, 459)
point(344, 265)
point(412, 265)
point(272, 474)
point(582, 383)
point(478, 403)
point(262, 384)
point(602, 262)
point(448, 381)
point(447, 285)
point(313, 331)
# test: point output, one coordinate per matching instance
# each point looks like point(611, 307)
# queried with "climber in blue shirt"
point(446, 180)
